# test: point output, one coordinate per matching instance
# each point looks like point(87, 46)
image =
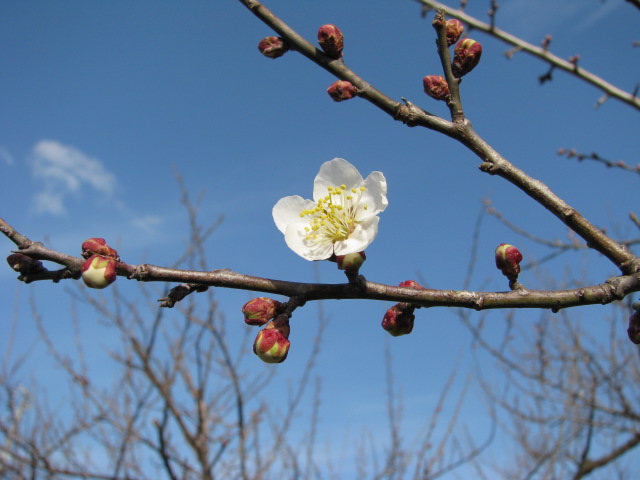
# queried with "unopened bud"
point(411, 284)
point(398, 320)
point(273, 47)
point(508, 260)
point(436, 87)
point(351, 262)
point(24, 264)
point(454, 29)
point(634, 326)
point(467, 55)
point(342, 90)
point(331, 40)
point(272, 343)
point(98, 246)
point(260, 310)
point(98, 271)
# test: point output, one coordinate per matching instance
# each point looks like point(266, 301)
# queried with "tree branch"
point(614, 288)
point(461, 130)
point(570, 67)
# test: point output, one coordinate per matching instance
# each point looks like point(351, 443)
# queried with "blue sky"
point(103, 101)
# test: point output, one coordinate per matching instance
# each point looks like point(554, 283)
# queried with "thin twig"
point(540, 52)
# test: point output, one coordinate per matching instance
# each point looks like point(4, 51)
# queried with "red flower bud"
point(99, 271)
point(273, 47)
point(331, 40)
point(411, 284)
point(351, 262)
point(260, 310)
point(454, 29)
point(24, 264)
point(98, 246)
point(467, 55)
point(436, 87)
point(272, 343)
point(508, 260)
point(398, 320)
point(342, 90)
point(634, 327)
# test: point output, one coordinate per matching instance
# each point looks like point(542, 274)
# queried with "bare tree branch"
point(540, 52)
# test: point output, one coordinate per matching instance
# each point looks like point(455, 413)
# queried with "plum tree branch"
point(614, 288)
point(570, 67)
point(406, 113)
point(459, 129)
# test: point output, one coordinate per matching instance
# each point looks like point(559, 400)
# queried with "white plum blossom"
point(342, 218)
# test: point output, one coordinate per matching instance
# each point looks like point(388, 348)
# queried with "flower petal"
point(359, 239)
point(288, 209)
point(296, 238)
point(335, 173)
point(375, 195)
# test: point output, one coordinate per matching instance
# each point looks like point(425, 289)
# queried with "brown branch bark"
point(614, 288)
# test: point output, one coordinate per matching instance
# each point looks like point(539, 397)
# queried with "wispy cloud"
point(5, 156)
point(147, 223)
point(597, 15)
point(533, 20)
point(64, 170)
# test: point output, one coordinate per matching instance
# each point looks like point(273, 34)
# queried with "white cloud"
point(597, 15)
point(5, 156)
point(533, 20)
point(147, 223)
point(63, 170)
point(49, 202)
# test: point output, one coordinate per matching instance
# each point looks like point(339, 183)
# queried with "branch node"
point(409, 114)
point(488, 167)
point(139, 273)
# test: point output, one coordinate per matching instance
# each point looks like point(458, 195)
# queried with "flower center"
point(335, 215)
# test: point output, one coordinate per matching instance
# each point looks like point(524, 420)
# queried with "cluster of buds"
point(436, 87)
point(634, 324)
point(399, 319)
point(331, 40)
point(259, 311)
point(273, 47)
point(342, 90)
point(508, 260)
point(272, 343)
point(467, 56)
point(99, 268)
